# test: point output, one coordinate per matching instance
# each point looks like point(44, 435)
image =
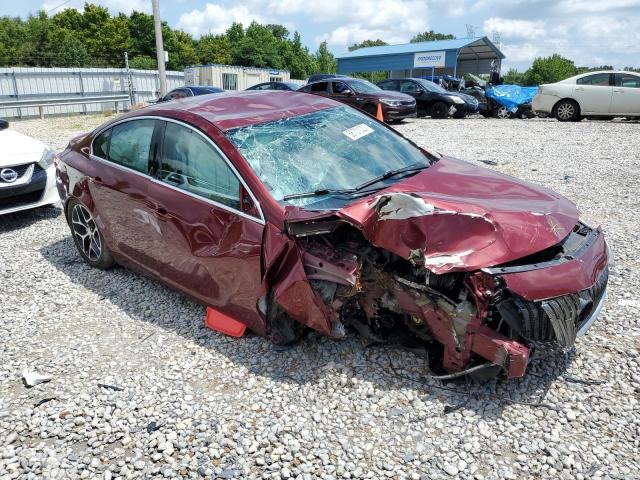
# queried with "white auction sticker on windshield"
point(359, 131)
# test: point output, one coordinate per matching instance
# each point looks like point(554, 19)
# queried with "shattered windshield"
point(333, 149)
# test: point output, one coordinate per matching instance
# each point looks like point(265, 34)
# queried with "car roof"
point(241, 108)
point(202, 88)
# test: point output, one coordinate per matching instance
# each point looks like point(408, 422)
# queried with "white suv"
point(593, 94)
point(27, 172)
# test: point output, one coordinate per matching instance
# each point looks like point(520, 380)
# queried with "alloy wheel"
point(86, 232)
point(566, 111)
point(503, 112)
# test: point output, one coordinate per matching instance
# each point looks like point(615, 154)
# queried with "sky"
point(591, 33)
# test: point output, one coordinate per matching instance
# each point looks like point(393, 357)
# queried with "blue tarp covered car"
point(511, 96)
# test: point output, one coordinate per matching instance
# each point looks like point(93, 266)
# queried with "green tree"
point(514, 77)
point(143, 62)
point(367, 43)
point(549, 70)
point(430, 36)
point(325, 60)
point(214, 49)
point(258, 48)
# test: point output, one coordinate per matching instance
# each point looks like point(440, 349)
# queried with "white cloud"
point(216, 19)
point(514, 28)
point(590, 6)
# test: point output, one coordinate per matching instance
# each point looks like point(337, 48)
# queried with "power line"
point(61, 5)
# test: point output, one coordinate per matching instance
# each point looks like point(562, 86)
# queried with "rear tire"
point(566, 111)
point(439, 110)
point(87, 237)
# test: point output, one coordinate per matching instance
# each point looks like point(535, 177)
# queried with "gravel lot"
point(183, 401)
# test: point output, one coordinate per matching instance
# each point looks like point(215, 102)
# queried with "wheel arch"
point(555, 105)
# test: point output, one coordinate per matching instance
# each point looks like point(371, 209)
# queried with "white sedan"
point(593, 94)
point(27, 172)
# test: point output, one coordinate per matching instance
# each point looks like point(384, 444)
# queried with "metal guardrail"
point(54, 102)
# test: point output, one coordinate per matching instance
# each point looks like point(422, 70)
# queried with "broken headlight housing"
point(48, 158)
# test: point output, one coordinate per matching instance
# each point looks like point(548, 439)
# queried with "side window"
point(340, 87)
point(305, 89)
point(597, 79)
point(101, 144)
point(131, 144)
point(191, 163)
point(408, 86)
point(387, 85)
point(627, 80)
point(318, 87)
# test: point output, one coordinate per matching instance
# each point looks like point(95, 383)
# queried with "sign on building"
point(428, 59)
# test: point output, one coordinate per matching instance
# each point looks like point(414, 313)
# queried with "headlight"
point(48, 157)
point(391, 102)
point(457, 100)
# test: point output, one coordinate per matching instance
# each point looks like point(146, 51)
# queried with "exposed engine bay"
point(463, 318)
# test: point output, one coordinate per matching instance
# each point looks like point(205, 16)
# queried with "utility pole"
point(159, 48)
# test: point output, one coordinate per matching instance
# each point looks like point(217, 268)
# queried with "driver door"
point(343, 93)
point(207, 245)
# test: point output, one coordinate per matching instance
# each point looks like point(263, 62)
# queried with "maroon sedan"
point(286, 210)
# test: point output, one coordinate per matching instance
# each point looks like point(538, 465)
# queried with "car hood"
point(455, 216)
point(16, 148)
point(464, 96)
point(392, 94)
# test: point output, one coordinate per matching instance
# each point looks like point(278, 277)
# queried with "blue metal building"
point(453, 57)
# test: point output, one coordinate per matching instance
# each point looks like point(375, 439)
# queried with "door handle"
point(579, 89)
point(98, 180)
point(618, 91)
point(162, 213)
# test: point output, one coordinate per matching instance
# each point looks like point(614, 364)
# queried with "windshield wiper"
point(317, 193)
point(362, 186)
point(389, 174)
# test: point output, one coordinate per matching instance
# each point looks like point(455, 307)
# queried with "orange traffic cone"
point(379, 115)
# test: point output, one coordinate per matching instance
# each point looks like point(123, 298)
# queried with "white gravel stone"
point(194, 402)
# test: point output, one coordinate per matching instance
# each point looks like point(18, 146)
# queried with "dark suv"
point(432, 99)
point(365, 96)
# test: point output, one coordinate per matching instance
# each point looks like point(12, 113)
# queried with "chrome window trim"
point(260, 220)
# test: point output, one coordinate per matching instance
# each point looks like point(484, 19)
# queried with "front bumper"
point(398, 113)
point(35, 189)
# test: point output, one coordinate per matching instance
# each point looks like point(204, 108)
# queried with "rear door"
point(119, 189)
point(209, 247)
point(594, 92)
point(626, 94)
point(317, 88)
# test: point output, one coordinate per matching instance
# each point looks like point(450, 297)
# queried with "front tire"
point(439, 110)
point(87, 237)
point(566, 111)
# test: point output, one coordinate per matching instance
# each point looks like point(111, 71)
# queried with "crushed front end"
point(465, 317)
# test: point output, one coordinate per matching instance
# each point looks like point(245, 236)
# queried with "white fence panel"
point(49, 83)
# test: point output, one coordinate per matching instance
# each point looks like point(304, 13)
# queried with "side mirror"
point(4, 124)
point(347, 93)
point(419, 91)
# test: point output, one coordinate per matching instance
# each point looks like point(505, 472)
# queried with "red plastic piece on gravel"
point(222, 323)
